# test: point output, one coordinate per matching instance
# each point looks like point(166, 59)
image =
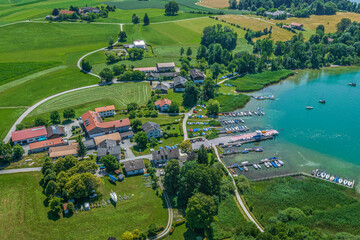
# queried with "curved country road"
point(242, 204)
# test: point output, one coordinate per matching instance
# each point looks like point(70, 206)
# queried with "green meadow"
point(7, 118)
point(81, 101)
point(24, 213)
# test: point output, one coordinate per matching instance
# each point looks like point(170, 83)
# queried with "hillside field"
point(25, 214)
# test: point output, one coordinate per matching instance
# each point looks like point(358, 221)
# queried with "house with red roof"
point(94, 125)
point(298, 26)
point(43, 146)
point(106, 111)
point(163, 104)
point(29, 135)
point(66, 12)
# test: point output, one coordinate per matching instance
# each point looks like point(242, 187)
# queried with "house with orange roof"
point(94, 125)
point(298, 26)
point(106, 111)
point(163, 104)
point(43, 146)
point(66, 12)
point(63, 151)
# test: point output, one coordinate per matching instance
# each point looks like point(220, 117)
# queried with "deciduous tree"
point(200, 211)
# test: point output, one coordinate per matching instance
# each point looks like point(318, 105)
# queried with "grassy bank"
point(7, 118)
point(327, 206)
point(232, 102)
point(256, 82)
point(24, 216)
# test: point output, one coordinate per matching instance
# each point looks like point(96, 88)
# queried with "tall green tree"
point(135, 19)
point(200, 211)
point(55, 205)
point(81, 151)
point(5, 153)
point(171, 8)
point(85, 65)
point(146, 19)
point(110, 163)
point(141, 139)
point(122, 36)
point(18, 151)
point(69, 113)
point(171, 179)
point(106, 74)
point(55, 117)
point(39, 121)
point(182, 51)
point(51, 188)
point(191, 94)
point(208, 90)
point(202, 155)
point(212, 107)
point(189, 52)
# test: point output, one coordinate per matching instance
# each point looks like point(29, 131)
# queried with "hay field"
point(214, 3)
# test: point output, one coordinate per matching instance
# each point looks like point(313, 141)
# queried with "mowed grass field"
point(258, 24)
point(333, 207)
point(24, 216)
point(7, 118)
point(214, 3)
point(81, 101)
point(329, 22)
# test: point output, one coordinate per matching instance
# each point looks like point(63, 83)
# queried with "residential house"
point(106, 111)
point(134, 167)
point(29, 135)
point(90, 144)
point(152, 130)
point(108, 147)
point(90, 9)
point(55, 132)
point(197, 76)
point(165, 67)
point(43, 146)
point(51, 17)
point(298, 26)
point(139, 44)
point(94, 125)
point(127, 135)
point(66, 12)
point(163, 88)
point(163, 104)
point(162, 155)
point(179, 84)
point(63, 151)
point(113, 136)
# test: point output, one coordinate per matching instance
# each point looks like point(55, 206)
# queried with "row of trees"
point(135, 19)
point(9, 153)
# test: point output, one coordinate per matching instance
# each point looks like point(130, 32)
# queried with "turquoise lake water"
point(326, 137)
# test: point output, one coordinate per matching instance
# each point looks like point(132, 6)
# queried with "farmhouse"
point(43, 146)
point(197, 76)
point(163, 104)
point(29, 135)
point(90, 9)
point(109, 147)
point(162, 155)
point(134, 167)
point(157, 75)
point(95, 126)
point(165, 67)
point(179, 84)
point(106, 111)
point(66, 12)
point(162, 88)
point(146, 69)
point(286, 27)
point(63, 151)
point(51, 17)
point(152, 130)
point(298, 26)
point(139, 44)
point(55, 132)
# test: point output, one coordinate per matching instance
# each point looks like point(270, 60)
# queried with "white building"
point(139, 44)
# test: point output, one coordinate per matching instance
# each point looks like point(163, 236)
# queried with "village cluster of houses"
point(84, 10)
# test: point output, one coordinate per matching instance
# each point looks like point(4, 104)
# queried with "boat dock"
point(244, 167)
point(264, 97)
point(255, 136)
point(257, 112)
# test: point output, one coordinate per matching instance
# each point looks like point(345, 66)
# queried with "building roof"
point(196, 73)
point(146, 69)
point(55, 130)
point(150, 126)
point(108, 147)
point(105, 108)
point(162, 87)
point(139, 42)
point(28, 133)
point(164, 154)
point(66, 12)
point(126, 134)
point(113, 136)
point(71, 149)
point(89, 143)
point(93, 120)
point(285, 26)
point(179, 80)
point(276, 13)
point(162, 74)
point(65, 206)
point(296, 24)
point(134, 165)
point(46, 143)
point(163, 102)
point(165, 65)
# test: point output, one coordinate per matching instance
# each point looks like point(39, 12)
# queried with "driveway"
point(68, 128)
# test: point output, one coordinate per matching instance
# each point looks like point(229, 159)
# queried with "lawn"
point(81, 101)
point(333, 206)
point(230, 103)
point(258, 24)
point(255, 82)
point(7, 118)
point(214, 3)
point(24, 215)
point(155, 15)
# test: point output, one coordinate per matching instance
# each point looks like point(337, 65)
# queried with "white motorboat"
point(113, 196)
point(259, 166)
point(281, 162)
point(309, 107)
point(350, 183)
point(327, 176)
point(266, 164)
point(345, 181)
point(341, 180)
point(323, 174)
point(332, 178)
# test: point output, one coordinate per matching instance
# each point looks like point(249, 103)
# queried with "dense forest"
point(297, 8)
